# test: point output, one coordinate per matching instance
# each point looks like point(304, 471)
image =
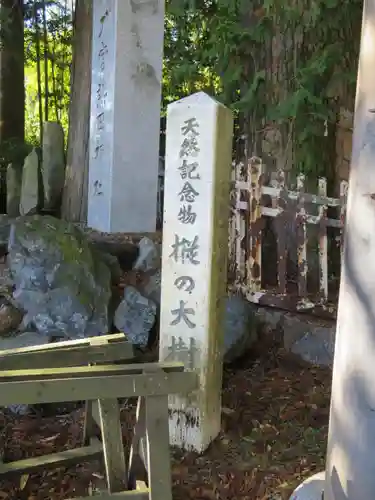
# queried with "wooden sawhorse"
point(151, 383)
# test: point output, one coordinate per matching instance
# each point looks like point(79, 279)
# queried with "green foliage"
point(289, 65)
point(57, 52)
point(277, 64)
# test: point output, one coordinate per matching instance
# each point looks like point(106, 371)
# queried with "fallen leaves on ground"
point(274, 431)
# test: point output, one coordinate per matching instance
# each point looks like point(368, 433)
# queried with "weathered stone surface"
point(10, 318)
point(5, 223)
point(135, 316)
point(151, 288)
point(32, 188)
point(53, 166)
point(310, 338)
point(311, 489)
point(149, 258)
point(317, 346)
point(14, 185)
point(111, 262)
point(240, 328)
point(63, 287)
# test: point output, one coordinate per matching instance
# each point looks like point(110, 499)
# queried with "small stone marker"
point(14, 183)
point(127, 56)
point(31, 185)
point(194, 260)
point(53, 166)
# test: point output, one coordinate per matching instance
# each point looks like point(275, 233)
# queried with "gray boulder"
point(240, 328)
point(149, 258)
point(316, 346)
point(151, 287)
point(63, 288)
point(135, 316)
point(32, 185)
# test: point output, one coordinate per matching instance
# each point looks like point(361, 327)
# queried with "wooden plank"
point(344, 185)
point(232, 218)
point(239, 232)
point(113, 448)
point(86, 371)
point(158, 453)
point(95, 387)
point(116, 337)
point(323, 243)
point(292, 195)
point(309, 197)
point(65, 458)
point(68, 356)
point(281, 234)
point(302, 239)
point(310, 219)
point(254, 257)
point(124, 495)
point(91, 426)
point(138, 450)
point(292, 303)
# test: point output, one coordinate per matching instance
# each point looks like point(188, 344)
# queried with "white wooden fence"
point(245, 238)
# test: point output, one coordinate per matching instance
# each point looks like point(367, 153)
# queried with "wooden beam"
point(124, 495)
point(66, 356)
point(63, 458)
point(98, 386)
point(84, 371)
point(112, 338)
point(158, 454)
point(113, 448)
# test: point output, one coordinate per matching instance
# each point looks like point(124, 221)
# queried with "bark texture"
point(76, 182)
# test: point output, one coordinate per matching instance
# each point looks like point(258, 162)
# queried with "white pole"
point(350, 467)
point(350, 473)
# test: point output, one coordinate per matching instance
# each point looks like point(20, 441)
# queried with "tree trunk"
point(12, 76)
point(75, 192)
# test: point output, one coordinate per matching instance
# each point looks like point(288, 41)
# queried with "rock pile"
point(59, 283)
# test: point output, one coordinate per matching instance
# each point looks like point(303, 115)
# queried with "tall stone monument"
point(127, 55)
point(194, 262)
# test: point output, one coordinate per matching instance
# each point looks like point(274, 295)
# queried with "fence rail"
point(246, 233)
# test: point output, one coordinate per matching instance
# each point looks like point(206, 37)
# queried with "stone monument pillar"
point(194, 262)
point(127, 56)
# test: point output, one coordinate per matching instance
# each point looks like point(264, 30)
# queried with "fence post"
point(302, 238)
point(232, 219)
point(254, 257)
point(343, 201)
point(323, 242)
point(239, 231)
point(281, 221)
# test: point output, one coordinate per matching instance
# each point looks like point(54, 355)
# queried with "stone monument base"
point(311, 489)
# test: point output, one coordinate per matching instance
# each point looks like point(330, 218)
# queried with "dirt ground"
point(274, 431)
